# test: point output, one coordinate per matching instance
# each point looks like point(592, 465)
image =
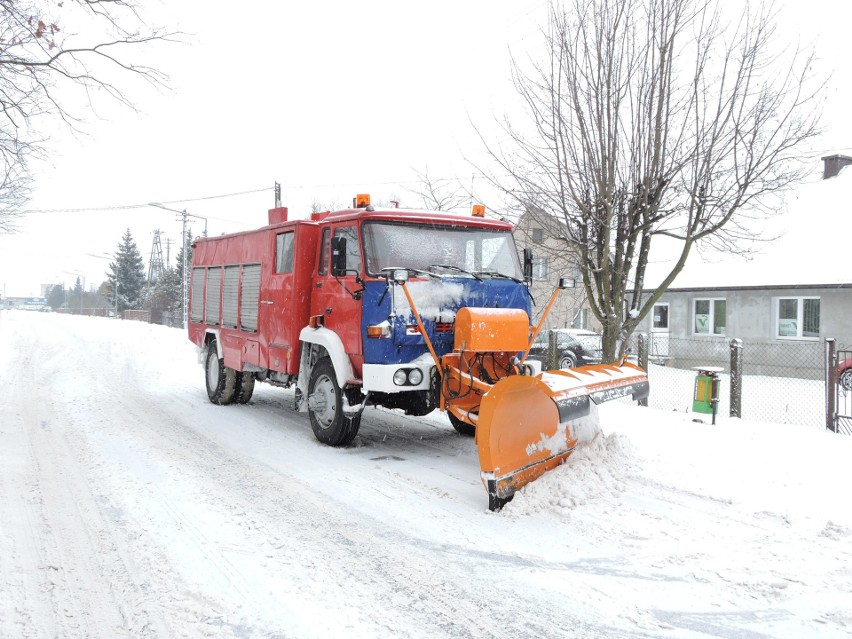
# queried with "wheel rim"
point(212, 371)
point(323, 401)
point(566, 362)
point(846, 380)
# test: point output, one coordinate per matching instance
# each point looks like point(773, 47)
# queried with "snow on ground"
point(132, 507)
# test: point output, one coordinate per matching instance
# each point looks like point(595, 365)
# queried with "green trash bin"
point(705, 399)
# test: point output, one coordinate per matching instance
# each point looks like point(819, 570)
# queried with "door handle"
point(266, 302)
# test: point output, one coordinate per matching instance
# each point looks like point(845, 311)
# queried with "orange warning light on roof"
point(478, 210)
point(362, 200)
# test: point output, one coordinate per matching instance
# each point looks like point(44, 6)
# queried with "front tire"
point(462, 427)
point(221, 380)
point(325, 407)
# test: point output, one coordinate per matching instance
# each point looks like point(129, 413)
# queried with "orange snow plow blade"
point(524, 427)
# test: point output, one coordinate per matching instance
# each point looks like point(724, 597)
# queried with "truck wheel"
point(462, 428)
point(244, 387)
point(325, 407)
point(221, 380)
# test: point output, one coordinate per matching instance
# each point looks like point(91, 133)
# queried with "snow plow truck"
point(406, 309)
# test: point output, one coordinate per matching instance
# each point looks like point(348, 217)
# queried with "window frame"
point(657, 326)
point(800, 318)
point(711, 327)
point(285, 247)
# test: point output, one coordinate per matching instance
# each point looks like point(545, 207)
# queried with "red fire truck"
point(406, 309)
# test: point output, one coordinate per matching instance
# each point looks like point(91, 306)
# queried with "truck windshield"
point(431, 246)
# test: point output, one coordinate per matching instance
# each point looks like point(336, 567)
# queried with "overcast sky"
point(329, 99)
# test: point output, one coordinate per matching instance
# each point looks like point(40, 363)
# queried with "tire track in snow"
point(376, 575)
point(73, 580)
point(266, 551)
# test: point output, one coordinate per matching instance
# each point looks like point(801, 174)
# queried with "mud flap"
point(524, 426)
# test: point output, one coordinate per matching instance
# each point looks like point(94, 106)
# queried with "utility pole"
point(169, 243)
point(184, 242)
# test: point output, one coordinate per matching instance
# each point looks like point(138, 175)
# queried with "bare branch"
point(654, 118)
point(54, 57)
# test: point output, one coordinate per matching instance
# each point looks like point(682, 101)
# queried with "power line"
point(124, 207)
point(296, 187)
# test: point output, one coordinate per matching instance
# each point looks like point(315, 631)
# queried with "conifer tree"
point(127, 275)
point(165, 296)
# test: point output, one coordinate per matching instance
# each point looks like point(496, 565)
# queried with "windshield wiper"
point(450, 267)
point(388, 271)
point(500, 276)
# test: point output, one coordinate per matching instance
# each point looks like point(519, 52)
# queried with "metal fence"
point(782, 382)
point(839, 387)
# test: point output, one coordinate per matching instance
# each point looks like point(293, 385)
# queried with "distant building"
point(796, 291)
point(553, 258)
point(26, 303)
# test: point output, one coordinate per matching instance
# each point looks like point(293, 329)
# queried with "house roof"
point(771, 287)
point(813, 248)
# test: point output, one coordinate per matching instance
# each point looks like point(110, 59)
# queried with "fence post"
point(642, 340)
point(830, 385)
point(552, 351)
point(736, 378)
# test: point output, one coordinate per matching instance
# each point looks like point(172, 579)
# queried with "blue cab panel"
point(437, 302)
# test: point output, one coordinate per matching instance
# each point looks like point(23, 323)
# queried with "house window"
point(709, 317)
point(661, 317)
point(580, 318)
point(797, 317)
point(540, 268)
point(538, 236)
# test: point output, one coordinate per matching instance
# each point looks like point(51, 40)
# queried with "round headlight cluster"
point(408, 377)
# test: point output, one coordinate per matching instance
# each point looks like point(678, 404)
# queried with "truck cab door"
point(336, 297)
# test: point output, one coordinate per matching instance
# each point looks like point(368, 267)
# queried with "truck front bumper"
point(385, 378)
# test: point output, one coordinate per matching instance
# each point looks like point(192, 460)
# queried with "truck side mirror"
point(528, 265)
point(338, 256)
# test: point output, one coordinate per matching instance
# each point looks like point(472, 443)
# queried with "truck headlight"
point(415, 376)
point(400, 377)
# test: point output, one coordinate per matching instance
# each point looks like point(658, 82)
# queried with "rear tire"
point(325, 407)
point(462, 428)
point(221, 380)
point(245, 387)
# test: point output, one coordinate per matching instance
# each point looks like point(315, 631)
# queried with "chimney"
point(832, 165)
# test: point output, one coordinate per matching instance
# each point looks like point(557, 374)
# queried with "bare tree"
point(54, 58)
point(439, 194)
point(652, 119)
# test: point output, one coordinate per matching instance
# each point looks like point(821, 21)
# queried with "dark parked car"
point(576, 347)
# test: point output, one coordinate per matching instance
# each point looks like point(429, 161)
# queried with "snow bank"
point(596, 471)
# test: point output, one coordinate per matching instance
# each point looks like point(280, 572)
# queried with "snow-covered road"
point(132, 507)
